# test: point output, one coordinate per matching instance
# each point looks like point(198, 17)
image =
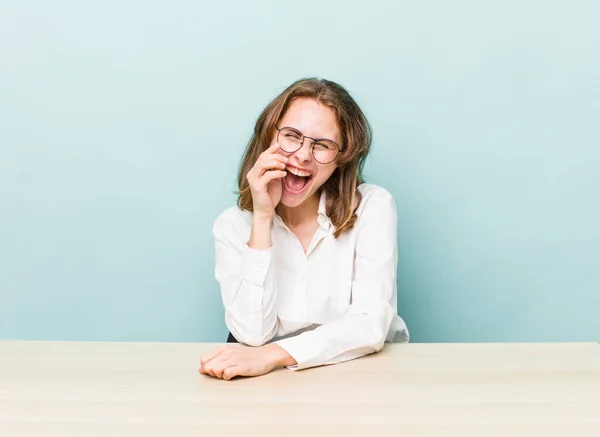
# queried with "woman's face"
point(313, 120)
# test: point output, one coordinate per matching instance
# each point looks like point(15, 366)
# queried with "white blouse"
point(334, 303)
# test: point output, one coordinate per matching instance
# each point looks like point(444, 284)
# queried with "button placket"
point(302, 288)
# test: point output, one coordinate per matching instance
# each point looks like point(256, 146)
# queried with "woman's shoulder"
point(377, 214)
point(232, 218)
point(374, 196)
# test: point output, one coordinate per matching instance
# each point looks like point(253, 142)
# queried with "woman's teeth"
point(297, 172)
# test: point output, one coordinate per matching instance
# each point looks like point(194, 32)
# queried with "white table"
point(154, 389)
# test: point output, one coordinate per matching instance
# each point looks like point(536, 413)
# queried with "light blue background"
point(122, 124)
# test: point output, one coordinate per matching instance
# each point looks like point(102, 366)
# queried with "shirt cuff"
point(303, 350)
point(255, 265)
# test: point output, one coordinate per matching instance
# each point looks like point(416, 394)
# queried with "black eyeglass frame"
point(315, 141)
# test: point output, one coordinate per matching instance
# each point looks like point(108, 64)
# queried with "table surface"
point(154, 389)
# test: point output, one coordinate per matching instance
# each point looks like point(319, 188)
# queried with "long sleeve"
point(364, 327)
point(246, 279)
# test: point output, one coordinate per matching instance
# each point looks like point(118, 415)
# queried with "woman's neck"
point(300, 214)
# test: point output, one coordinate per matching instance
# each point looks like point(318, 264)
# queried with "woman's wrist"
point(260, 216)
point(279, 357)
point(260, 236)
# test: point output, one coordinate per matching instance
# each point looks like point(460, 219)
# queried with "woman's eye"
point(324, 146)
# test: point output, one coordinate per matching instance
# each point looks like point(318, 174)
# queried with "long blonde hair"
point(341, 188)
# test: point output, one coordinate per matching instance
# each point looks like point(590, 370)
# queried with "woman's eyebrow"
point(315, 138)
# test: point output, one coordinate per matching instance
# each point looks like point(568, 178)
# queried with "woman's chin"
point(291, 201)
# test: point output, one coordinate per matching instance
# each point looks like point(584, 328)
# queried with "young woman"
point(307, 260)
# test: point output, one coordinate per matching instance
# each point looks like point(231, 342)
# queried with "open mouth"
point(296, 180)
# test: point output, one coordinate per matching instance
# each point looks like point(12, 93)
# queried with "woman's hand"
point(229, 361)
point(265, 181)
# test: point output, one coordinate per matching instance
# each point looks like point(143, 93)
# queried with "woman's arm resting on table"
point(364, 328)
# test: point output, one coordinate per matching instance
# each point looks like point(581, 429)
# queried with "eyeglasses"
point(323, 150)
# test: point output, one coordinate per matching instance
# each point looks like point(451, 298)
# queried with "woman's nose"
point(304, 153)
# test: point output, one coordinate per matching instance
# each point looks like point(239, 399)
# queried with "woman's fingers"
point(266, 162)
point(272, 149)
point(264, 159)
point(208, 361)
point(258, 185)
point(272, 175)
point(219, 369)
point(207, 369)
point(232, 372)
point(271, 152)
point(212, 354)
point(215, 367)
point(270, 164)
